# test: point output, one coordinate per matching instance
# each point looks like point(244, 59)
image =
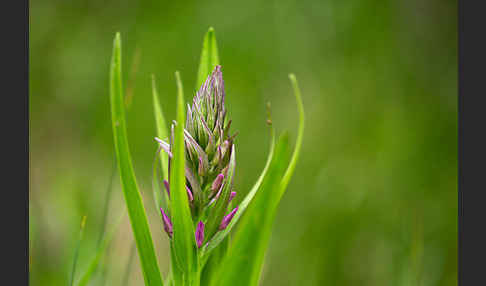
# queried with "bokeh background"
point(374, 197)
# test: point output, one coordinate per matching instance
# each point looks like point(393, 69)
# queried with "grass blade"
point(88, 274)
point(244, 261)
point(133, 198)
point(209, 57)
point(300, 135)
point(183, 236)
point(163, 134)
point(161, 126)
point(76, 250)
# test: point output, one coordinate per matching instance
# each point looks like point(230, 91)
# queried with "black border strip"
point(14, 118)
point(471, 144)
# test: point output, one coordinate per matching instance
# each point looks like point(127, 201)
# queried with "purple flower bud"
point(232, 195)
point(166, 185)
point(217, 182)
point(199, 234)
point(227, 219)
point(189, 194)
point(167, 223)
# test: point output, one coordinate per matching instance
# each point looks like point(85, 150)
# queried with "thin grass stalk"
point(76, 251)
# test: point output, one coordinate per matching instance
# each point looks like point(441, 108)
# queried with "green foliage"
point(76, 250)
point(243, 262)
point(300, 137)
point(133, 198)
point(239, 262)
point(161, 127)
point(184, 246)
point(373, 145)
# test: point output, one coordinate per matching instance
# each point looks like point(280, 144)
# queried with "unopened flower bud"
point(199, 234)
point(232, 195)
point(189, 194)
point(167, 223)
point(217, 182)
point(227, 219)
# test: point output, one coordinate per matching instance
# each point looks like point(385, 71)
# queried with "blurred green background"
point(374, 197)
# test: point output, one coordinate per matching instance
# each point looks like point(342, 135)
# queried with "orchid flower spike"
point(210, 160)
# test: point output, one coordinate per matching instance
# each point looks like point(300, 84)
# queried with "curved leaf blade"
point(133, 198)
point(161, 126)
point(76, 250)
point(183, 235)
point(243, 261)
point(162, 133)
point(300, 134)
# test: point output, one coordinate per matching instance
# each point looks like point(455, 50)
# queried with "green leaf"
point(163, 134)
point(242, 263)
point(161, 125)
point(300, 135)
point(183, 236)
point(76, 250)
point(244, 260)
point(85, 278)
point(133, 198)
point(209, 57)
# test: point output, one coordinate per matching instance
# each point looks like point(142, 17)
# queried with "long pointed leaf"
point(209, 57)
point(162, 133)
point(133, 198)
point(161, 125)
point(76, 250)
point(244, 261)
point(300, 135)
point(183, 235)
